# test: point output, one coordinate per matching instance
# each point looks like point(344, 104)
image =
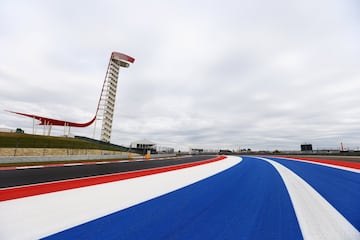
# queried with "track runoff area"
point(224, 197)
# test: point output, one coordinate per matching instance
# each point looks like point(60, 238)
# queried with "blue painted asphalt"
point(340, 188)
point(247, 201)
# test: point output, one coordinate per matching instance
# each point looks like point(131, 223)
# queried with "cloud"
point(249, 74)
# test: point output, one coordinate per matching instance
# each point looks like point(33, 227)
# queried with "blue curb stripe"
point(247, 201)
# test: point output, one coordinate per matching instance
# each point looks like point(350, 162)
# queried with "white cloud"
point(255, 74)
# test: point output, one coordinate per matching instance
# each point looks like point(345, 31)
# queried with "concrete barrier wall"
point(25, 159)
point(17, 152)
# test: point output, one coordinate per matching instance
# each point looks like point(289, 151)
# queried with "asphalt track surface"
point(19, 177)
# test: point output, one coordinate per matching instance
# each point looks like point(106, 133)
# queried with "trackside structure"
point(106, 105)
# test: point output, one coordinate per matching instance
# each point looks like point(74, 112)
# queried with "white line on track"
point(318, 219)
point(102, 162)
point(72, 164)
point(28, 167)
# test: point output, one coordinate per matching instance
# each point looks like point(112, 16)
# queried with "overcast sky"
point(253, 74)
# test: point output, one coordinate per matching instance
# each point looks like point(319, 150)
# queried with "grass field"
point(19, 140)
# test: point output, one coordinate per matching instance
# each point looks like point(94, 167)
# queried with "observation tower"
point(106, 105)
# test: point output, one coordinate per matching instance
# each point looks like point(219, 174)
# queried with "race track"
point(39, 174)
point(232, 198)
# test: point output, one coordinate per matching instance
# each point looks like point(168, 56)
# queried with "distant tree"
point(19, 130)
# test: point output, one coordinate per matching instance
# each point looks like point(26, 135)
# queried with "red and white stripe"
point(39, 215)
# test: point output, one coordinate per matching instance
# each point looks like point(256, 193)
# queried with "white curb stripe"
point(318, 219)
point(42, 215)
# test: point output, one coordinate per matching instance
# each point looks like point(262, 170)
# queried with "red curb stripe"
point(7, 168)
point(43, 188)
point(353, 165)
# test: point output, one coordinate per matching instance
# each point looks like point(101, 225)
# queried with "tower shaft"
point(106, 106)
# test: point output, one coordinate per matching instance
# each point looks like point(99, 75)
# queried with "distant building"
point(224, 152)
point(144, 145)
point(196, 150)
point(306, 147)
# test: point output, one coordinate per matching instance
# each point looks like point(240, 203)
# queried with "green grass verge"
point(18, 140)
